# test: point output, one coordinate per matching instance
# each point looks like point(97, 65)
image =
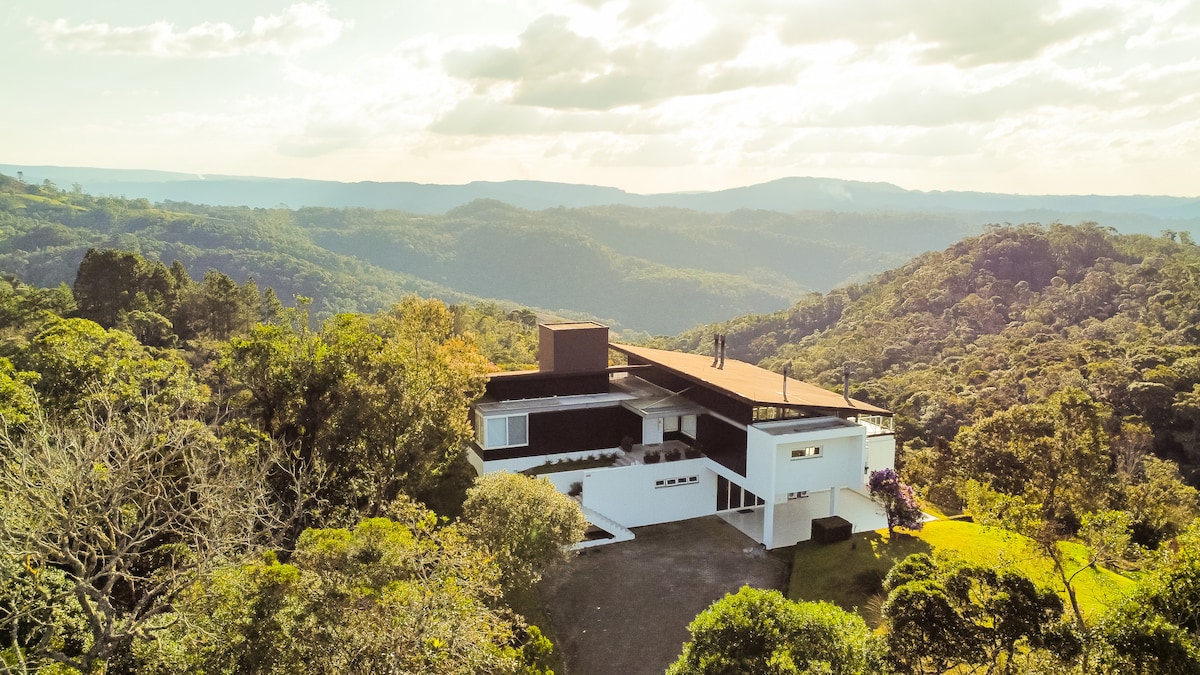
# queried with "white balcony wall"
point(760, 462)
point(881, 453)
point(771, 471)
point(840, 464)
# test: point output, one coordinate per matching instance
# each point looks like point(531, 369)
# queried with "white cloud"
point(483, 116)
point(962, 32)
point(553, 66)
point(300, 27)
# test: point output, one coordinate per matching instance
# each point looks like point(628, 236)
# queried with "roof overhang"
point(749, 383)
point(552, 403)
point(651, 400)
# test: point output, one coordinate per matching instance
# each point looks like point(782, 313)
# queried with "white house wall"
point(562, 479)
point(840, 464)
point(628, 494)
point(760, 460)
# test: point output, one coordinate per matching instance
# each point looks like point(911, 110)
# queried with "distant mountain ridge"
point(784, 195)
point(653, 263)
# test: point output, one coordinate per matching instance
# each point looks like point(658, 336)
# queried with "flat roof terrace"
point(573, 325)
point(801, 426)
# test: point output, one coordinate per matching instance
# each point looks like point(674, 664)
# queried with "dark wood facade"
point(723, 443)
point(574, 430)
point(513, 386)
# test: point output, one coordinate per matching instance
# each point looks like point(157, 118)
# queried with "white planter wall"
point(562, 480)
point(519, 464)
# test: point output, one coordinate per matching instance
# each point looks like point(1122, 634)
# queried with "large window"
point(766, 413)
point(507, 431)
point(688, 426)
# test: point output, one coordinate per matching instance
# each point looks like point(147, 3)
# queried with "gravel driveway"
point(623, 609)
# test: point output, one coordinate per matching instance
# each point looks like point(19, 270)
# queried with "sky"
point(1020, 96)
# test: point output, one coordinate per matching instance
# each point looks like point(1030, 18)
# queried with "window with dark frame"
point(806, 452)
point(502, 431)
point(675, 482)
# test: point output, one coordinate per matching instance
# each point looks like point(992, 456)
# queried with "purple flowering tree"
point(897, 499)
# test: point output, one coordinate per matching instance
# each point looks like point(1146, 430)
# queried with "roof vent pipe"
point(786, 367)
point(846, 380)
point(722, 365)
point(716, 349)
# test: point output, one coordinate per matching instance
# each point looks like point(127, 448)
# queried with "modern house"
point(670, 436)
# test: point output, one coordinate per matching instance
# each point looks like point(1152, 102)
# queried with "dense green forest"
point(197, 477)
point(46, 232)
point(1045, 379)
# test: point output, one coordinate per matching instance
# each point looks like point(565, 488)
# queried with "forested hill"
point(1005, 319)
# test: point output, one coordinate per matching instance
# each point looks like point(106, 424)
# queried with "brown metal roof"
point(750, 383)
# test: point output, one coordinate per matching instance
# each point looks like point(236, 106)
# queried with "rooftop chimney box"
point(576, 347)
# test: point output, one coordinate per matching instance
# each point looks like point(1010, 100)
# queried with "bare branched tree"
point(125, 509)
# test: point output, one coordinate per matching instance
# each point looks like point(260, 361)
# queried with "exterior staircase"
point(618, 531)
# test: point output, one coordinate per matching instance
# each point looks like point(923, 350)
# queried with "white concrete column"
point(834, 494)
point(769, 523)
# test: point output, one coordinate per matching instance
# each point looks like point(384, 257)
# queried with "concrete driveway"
point(624, 608)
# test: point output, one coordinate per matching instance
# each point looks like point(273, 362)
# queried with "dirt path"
point(623, 609)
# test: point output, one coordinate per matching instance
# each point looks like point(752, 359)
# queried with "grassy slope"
point(847, 573)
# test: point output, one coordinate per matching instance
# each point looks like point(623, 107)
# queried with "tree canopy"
point(760, 632)
point(525, 522)
point(122, 511)
point(399, 594)
point(211, 483)
point(940, 616)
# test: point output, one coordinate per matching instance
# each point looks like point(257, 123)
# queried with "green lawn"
point(848, 573)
